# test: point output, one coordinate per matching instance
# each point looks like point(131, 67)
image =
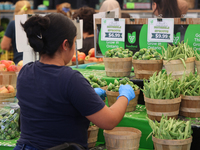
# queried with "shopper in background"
point(8, 41)
point(56, 102)
point(109, 5)
point(86, 13)
point(64, 8)
point(166, 9)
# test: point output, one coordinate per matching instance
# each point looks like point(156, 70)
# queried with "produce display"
point(161, 86)
point(197, 56)
point(9, 127)
point(182, 51)
point(170, 129)
point(7, 89)
point(115, 87)
point(96, 82)
point(8, 65)
point(147, 54)
point(118, 53)
point(190, 85)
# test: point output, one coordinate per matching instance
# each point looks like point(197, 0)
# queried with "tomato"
point(91, 52)
point(81, 57)
point(93, 59)
point(74, 58)
point(82, 54)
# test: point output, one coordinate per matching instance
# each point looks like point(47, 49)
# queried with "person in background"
point(125, 15)
point(58, 103)
point(86, 13)
point(108, 5)
point(64, 8)
point(8, 41)
point(172, 9)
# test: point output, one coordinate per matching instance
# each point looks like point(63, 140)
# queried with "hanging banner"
point(160, 30)
point(112, 29)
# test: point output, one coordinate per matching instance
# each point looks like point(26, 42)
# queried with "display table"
point(99, 74)
point(99, 66)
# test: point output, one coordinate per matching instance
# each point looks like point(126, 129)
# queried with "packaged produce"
point(147, 54)
point(96, 82)
point(170, 129)
point(9, 127)
point(115, 87)
point(118, 53)
point(161, 86)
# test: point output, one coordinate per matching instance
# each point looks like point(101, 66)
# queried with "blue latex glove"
point(127, 91)
point(101, 93)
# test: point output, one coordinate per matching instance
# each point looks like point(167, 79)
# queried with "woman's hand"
point(127, 91)
point(101, 93)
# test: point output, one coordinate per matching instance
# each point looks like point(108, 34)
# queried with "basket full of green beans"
point(197, 62)
point(161, 96)
point(171, 134)
point(190, 99)
point(177, 59)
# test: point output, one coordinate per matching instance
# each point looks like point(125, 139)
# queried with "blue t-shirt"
point(54, 101)
point(10, 32)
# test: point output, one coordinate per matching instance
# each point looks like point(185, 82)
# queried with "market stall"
point(162, 91)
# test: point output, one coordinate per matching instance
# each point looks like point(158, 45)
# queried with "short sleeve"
point(9, 30)
point(83, 97)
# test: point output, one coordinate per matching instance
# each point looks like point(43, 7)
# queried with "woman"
point(8, 41)
point(108, 5)
point(172, 9)
point(56, 102)
point(86, 13)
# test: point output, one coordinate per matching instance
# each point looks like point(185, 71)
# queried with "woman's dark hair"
point(85, 13)
point(168, 9)
point(46, 33)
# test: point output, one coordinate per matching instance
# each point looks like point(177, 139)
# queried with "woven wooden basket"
point(144, 69)
point(118, 67)
point(8, 78)
point(162, 144)
point(92, 136)
point(158, 107)
point(112, 97)
point(177, 68)
point(122, 138)
point(190, 106)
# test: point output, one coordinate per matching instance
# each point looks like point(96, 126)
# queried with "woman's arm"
point(109, 117)
point(6, 43)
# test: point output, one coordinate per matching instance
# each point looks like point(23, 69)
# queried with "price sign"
point(160, 30)
point(112, 30)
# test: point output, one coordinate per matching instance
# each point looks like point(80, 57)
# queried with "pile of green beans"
point(182, 51)
point(161, 86)
point(197, 56)
point(170, 129)
point(190, 85)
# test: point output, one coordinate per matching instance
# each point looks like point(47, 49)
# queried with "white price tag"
point(112, 30)
point(160, 30)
